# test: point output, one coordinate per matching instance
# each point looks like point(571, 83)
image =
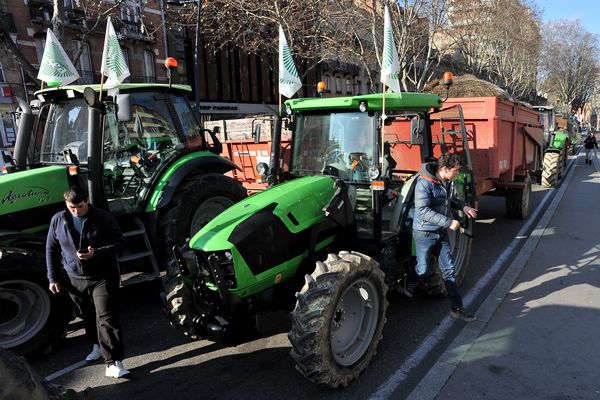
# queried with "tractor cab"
point(143, 131)
point(377, 156)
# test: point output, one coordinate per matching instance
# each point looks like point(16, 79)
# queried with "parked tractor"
point(141, 154)
point(556, 146)
point(330, 236)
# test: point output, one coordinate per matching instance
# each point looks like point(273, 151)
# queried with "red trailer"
point(505, 144)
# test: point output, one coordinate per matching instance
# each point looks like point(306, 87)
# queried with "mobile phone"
point(83, 251)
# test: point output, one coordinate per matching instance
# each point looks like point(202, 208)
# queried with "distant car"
point(584, 132)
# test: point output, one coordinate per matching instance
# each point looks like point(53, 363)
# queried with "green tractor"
point(556, 147)
point(141, 154)
point(329, 237)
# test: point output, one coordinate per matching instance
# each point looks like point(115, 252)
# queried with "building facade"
point(140, 31)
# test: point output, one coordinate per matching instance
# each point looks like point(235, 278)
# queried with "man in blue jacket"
point(433, 196)
point(83, 241)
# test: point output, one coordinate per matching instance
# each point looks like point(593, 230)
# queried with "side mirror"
point(124, 108)
point(256, 133)
point(417, 131)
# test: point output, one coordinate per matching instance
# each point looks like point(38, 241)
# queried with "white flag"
point(289, 80)
point(114, 65)
point(56, 69)
point(390, 67)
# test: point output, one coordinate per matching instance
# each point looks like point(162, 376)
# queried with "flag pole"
point(101, 86)
point(382, 127)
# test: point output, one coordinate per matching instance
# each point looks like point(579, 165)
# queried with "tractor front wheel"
point(196, 202)
point(338, 319)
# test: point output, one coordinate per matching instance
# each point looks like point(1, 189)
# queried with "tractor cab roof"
point(72, 91)
point(407, 101)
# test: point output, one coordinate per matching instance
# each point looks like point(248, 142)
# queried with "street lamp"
point(197, 49)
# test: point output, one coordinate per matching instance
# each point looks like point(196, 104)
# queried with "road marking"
point(386, 390)
point(66, 370)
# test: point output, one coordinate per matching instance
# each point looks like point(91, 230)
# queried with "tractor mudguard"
point(180, 169)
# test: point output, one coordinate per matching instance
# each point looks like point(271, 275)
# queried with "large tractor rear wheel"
point(338, 319)
point(551, 169)
point(197, 202)
point(31, 318)
point(518, 201)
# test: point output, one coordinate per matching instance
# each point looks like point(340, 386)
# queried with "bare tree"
point(569, 65)
point(498, 40)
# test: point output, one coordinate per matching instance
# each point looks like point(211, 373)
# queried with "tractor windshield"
point(153, 129)
point(341, 143)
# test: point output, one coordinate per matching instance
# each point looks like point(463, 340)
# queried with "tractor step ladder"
point(137, 264)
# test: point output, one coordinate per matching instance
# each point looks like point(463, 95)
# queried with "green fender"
point(169, 181)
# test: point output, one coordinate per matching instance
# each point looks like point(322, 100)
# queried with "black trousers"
point(96, 300)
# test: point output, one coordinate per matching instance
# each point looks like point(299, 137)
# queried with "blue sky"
point(588, 11)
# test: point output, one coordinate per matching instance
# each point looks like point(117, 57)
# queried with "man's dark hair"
point(449, 161)
point(75, 195)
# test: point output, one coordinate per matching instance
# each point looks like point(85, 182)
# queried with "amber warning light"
point(448, 77)
point(321, 87)
point(171, 62)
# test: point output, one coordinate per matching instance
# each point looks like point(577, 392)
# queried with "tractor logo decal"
point(32, 191)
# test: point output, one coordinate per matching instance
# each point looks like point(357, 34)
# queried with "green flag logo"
point(55, 65)
point(114, 65)
point(289, 80)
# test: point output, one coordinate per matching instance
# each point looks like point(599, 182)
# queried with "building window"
point(84, 64)
point(130, 12)
point(149, 67)
point(126, 56)
point(327, 83)
point(358, 88)
point(1, 74)
point(338, 84)
point(349, 85)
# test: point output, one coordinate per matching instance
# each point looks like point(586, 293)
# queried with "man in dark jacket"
point(433, 196)
point(83, 241)
point(589, 144)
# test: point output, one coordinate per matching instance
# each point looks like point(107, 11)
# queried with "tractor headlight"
point(288, 110)
point(373, 172)
point(262, 168)
point(362, 106)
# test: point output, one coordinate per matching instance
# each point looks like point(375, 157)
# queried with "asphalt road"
point(165, 365)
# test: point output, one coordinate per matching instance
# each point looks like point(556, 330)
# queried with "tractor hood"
point(293, 206)
point(29, 198)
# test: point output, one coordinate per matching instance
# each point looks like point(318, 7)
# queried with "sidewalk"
point(538, 334)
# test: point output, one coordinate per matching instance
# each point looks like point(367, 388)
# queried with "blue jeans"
point(430, 244)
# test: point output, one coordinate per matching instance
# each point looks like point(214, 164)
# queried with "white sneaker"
point(116, 370)
point(95, 354)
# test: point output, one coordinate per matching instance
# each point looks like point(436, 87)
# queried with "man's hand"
point(470, 211)
point(86, 255)
point(54, 287)
point(454, 225)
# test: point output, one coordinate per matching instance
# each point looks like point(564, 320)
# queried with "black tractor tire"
point(31, 318)
point(197, 201)
point(338, 319)
point(551, 169)
point(518, 201)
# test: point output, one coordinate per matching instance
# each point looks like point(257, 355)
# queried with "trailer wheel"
point(338, 319)
point(518, 201)
point(32, 318)
point(550, 170)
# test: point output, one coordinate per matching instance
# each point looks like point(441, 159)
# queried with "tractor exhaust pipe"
point(23, 134)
